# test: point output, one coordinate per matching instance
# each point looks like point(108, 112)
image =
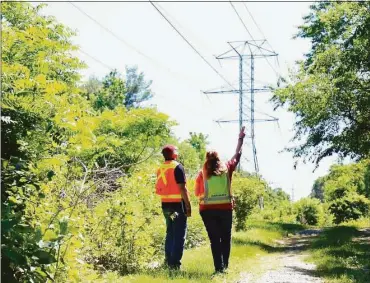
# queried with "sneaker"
point(217, 273)
point(174, 267)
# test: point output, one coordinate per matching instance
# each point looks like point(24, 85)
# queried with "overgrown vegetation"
point(79, 161)
point(329, 94)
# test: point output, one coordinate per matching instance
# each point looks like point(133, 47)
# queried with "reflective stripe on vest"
point(163, 168)
point(171, 198)
point(216, 189)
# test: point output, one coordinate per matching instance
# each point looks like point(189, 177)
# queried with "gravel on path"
point(287, 267)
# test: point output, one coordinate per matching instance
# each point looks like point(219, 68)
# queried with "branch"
point(146, 143)
point(85, 175)
point(125, 165)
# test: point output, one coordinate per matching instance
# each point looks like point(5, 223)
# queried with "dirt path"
point(289, 266)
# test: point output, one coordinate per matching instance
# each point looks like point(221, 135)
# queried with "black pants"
point(218, 224)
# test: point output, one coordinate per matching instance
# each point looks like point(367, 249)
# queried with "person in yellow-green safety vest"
point(216, 202)
point(171, 187)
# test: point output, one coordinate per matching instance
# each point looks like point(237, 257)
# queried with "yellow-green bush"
point(246, 191)
point(308, 211)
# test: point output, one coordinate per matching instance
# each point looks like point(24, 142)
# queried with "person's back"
point(171, 187)
point(213, 188)
point(217, 189)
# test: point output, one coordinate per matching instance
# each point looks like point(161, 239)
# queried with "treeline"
point(345, 191)
point(329, 93)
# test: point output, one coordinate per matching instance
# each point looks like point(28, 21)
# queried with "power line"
point(180, 26)
point(232, 5)
point(192, 47)
point(260, 30)
point(96, 60)
point(108, 30)
point(250, 14)
point(241, 20)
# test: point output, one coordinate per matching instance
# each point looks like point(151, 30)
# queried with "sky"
point(142, 37)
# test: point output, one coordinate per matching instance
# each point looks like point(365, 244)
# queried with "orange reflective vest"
point(166, 185)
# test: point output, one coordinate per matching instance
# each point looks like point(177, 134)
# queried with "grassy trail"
point(248, 248)
point(342, 255)
point(339, 254)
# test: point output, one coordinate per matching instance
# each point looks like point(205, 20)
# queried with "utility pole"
point(292, 193)
point(246, 51)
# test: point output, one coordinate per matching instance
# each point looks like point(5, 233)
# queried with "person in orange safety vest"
point(171, 187)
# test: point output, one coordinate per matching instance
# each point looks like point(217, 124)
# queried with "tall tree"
point(92, 86)
point(199, 142)
point(318, 189)
point(188, 156)
point(115, 91)
point(330, 90)
point(138, 89)
point(112, 93)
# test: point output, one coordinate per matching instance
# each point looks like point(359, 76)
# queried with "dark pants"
point(175, 236)
point(218, 224)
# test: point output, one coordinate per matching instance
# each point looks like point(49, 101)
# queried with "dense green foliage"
point(60, 157)
point(246, 191)
point(308, 211)
point(79, 161)
point(330, 91)
point(189, 158)
point(114, 90)
point(39, 76)
point(199, 142)
point(345, 189)
point(277, 206)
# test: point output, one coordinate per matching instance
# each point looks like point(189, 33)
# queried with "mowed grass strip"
point(342, 254)
point(247, 250)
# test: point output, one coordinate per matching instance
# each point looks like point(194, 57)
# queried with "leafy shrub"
point(246, 191)
point(325, 217)
point(350, 207)
point(308, 211)
point(22, 255)
point(196, 233)
point(126, 230)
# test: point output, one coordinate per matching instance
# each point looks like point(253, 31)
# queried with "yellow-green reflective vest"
point(217, 189)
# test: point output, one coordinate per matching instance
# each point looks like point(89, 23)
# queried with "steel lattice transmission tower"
point(246, 52)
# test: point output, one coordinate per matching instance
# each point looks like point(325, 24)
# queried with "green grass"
point(363, 222)
point(284, 229)
point(342, 254)
point(197, 264)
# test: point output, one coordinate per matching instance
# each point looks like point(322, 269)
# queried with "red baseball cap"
point(169, 147)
